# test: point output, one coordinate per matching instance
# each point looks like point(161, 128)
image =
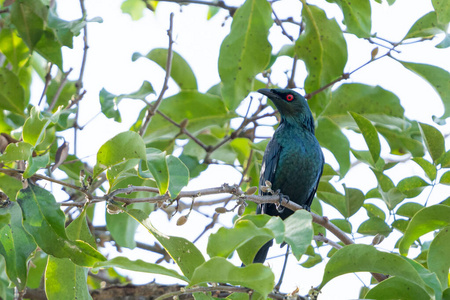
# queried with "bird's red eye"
point(290, 97)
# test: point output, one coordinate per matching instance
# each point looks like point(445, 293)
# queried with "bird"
point(293, 160)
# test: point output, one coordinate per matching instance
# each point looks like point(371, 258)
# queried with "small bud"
point(182, 220)
point(374, 53)
point(377, 239)
point(113, 209)
point(251, 190)
point(221, 210)
point(241, 210)
point(265, 189)
point(268, 183)
point(184, 123)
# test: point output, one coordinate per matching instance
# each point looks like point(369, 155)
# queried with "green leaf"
point(35, 126)
point(178, 175)
point(434, 141)
point(429, 168)
point(426, 220)
point(183, 252)
point(353, 258)
point(323, 49)
point(35, 164)
point(65, 280)
point(425, 27)
point(226, 240)
point(110, 102)
point(374, 211)
point(135, 8)
point(397, 288)
point(430, 278)
point(64, 30)
point(445, 178)
point(357, 16)
point(44, 220)
point(442, 9)
point(312, 261)
point(437, 77)
point(16, 245)
point(276, 227)
point(13, 48)
point(17, 151)
point(29, 24)
point(139, 266)
point(50, 48)
point(156, 166)
point(331, 137)
point(202, 110)
point(347, 204)
point(12, 95)
point(400, 225)
point(255, 276)
point(180, 72)
point(374, 226)
point(298, 232)
point(445, 43)
point(365, 100)
point(370, 135)
point(124, 146)
point(245, 52)
point(409, 209)
point(438, 258)
point(444, 160)
point(388, 191)
point(412, 186)
point(343, 225)
point(9, 185)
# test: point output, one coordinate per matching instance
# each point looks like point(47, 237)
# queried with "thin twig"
point(344, 76)
point(279, 23)
point(220, 3)
point(291, 81)
point(60, 88)
point(48, 78)
point(152, 109)
point(183, 130)
point(321, 238)
point(223, 288)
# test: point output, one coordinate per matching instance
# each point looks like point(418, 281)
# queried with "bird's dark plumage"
point(293, 160)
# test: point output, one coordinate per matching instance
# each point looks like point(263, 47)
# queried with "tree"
point(50, 243)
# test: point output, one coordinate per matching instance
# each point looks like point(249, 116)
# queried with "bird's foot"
point(280, 207)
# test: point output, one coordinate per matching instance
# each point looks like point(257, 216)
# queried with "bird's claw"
point(280, 207)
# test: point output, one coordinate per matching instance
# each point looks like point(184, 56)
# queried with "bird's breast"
point(299, 165)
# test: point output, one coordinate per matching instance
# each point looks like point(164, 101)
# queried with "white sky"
point(109, 66)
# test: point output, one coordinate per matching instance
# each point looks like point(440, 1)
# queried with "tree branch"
point(60, 88)
point(220, 3)
point(152, 109)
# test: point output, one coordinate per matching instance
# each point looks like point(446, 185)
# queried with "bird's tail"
point(260, 257)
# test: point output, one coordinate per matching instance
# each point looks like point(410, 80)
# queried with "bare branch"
point(152, 109)
point(344, 76)
point(60, 88)
point(220, 3)
point(48, 78)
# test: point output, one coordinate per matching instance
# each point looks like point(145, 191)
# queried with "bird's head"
point(292, 106)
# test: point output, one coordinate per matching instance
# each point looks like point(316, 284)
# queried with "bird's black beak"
point(268, 93)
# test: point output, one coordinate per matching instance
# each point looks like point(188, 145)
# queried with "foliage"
point(137, 174)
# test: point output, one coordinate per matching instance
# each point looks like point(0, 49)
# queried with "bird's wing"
point(269, 167)
point(313, 192)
